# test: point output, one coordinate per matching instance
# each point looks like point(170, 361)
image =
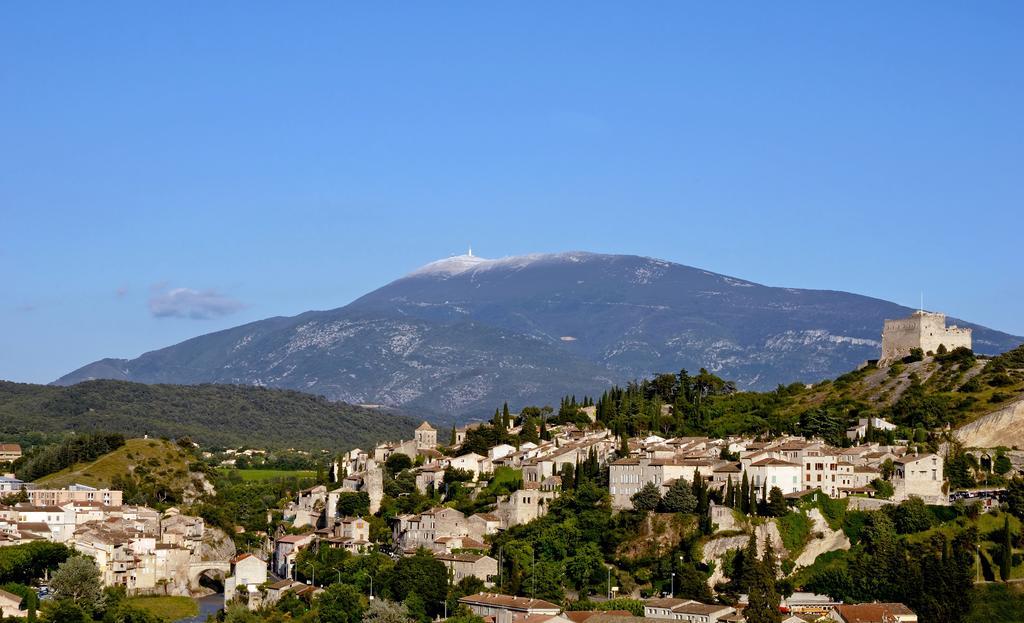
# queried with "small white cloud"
point(189, 303)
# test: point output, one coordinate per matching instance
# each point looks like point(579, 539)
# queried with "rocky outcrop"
point(823, 540)
point(216, 545)
point(715, 549)
point(1004, 427)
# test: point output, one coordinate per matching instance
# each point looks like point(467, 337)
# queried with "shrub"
point(1000, 379)
point(795, 529)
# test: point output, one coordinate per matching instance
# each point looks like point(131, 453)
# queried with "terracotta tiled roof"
point(910, 458)
point(579, 616)
point(772, 461)
point(508, 602)
point(871, 613)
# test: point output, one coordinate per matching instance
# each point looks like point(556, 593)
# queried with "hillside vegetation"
point(213, 415)
point(149, 471)
point(918, 396)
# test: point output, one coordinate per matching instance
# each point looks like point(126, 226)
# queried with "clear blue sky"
point(166, 171)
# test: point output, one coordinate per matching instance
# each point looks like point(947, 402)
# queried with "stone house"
point(628, 475)
point(523, 506)
point(308, 507)
point(10, 605)
point(686, 610)
point(430, 475)
point(919, 475)
point(472, 462)
point(180, 530)
point(286, 549)
point(462, 566)
point(248, 573)
point(502, 608)
point(482, 524)
point(352, 534)
point(410, 532)
point(460, 432)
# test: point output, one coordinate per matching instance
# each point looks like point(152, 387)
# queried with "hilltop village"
point(607, 510)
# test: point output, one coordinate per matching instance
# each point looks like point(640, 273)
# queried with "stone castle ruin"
point(924, 330)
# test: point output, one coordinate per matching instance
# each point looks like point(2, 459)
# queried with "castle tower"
point(373, 483)
point(924, 330)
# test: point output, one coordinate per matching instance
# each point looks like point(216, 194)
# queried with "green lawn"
point(997, 603)
point(267, 474)
point(170, 608)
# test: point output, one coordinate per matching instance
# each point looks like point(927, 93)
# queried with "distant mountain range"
point(461, 335)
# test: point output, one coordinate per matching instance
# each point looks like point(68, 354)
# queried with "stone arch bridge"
point(197, 569)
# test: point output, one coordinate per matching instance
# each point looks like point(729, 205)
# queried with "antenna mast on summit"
point(470, 254)
point(921, 308)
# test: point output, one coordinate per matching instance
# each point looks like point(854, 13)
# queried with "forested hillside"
point(213, 415)
point(919, 395)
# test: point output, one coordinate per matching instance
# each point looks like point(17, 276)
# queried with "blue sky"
point(167, 171)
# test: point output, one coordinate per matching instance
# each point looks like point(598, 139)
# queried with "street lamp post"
point(371, 588)
point(673, 592)
point(609, 582)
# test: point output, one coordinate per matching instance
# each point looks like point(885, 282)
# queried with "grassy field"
point(170, 608)
point(267, 474)
point(159, 457)
point(998, 603)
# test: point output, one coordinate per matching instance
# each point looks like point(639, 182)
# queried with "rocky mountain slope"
point(462, 335)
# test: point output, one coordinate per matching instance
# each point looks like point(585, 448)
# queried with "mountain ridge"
point(214, 415)
point(461, 334)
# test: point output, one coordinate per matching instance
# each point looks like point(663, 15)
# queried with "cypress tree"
point(506, 417)
point(1006, 563)
point(750, 565)
point(730, 494)
point(763, 597)
point(745, 495)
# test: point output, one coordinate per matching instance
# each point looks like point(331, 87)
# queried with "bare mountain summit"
point(463, 334)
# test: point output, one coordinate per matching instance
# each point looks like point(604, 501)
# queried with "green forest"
point(212, 415)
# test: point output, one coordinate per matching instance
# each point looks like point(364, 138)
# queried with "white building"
point(248, 572)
